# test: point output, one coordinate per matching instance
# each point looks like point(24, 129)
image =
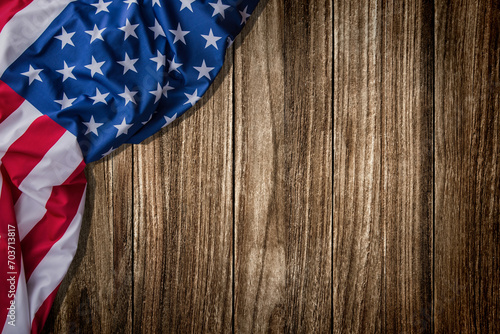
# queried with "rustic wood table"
point(342, 175)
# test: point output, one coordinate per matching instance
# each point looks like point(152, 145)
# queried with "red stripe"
point(15, 192)
point(43, 312)
point(62, 207)
point(9, 99)
point(9, 8)
point(26, 152)
point(7, 217)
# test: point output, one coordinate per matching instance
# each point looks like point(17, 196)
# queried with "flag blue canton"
point(114, 72)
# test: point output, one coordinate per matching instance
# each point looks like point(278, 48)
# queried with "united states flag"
point(77, 80)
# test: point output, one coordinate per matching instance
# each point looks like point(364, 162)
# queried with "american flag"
point(78, 79)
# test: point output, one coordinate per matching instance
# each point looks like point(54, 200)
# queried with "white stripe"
point(23, 323)
point(55, 167)
point(16, 125)
point(51, 270)
point(25, 28)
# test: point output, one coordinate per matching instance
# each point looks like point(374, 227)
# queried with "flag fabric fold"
point(78, 78)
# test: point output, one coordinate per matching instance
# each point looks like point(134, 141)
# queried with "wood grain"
point(467, 260)
point(226, 222)
point(96, 294)
point(382, 252)
point(308, 164)
point(283, 170)
point(183, 220)
point(260, 269)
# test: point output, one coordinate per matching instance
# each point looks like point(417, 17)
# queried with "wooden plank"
point(283, 170)
point(467, 223)
point(260, 268)
point(183, 220)
point(96, 294)
point(382, 243)
point(308, 168)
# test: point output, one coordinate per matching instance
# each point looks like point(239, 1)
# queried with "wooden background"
point(341, 175)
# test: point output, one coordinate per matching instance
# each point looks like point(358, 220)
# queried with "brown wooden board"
point(308, 164)
point(183, 220)
point(283, 171)
point(260, 268)
point(382, 234)
point(467, 228)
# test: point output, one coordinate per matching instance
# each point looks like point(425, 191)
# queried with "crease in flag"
point(77, 80)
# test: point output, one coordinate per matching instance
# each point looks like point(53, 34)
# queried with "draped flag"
point(78, 78)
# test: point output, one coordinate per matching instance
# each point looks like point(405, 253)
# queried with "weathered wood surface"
point(467, 202)
point(283, 170)
point(260, 241)
point(183, 220)
point(383, 167)
point(342, 175)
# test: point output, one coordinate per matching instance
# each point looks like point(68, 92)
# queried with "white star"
point(229, 41)
point(179, 34)
point(101, 6)
point(129, 29)
point(129, 2)
point(219, 8)
point(65, 38)
point(108, 152)
point(157, 29)
point(96, 33)
point(67, 72)
point(169, 120)
point(150, 116)
point(244, 15)
point(186, 4)
point(166, 88)
point(128, 95)
point(159, 60)
point(173, 65)
point(95, 67)
point(99, 97)
point(157, 93)
point(65, 102)
point(192, 98)
point(128, 64)
point(161, 91)
point(211, 39)
point(33, 74)
point(123, 128)
point(92, 126)
point(156, 2)
point(204, 71)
